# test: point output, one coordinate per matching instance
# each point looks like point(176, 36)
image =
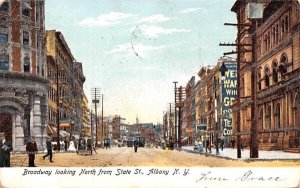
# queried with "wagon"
point(84, 146)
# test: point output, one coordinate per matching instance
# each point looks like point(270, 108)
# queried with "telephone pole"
point(95, 100)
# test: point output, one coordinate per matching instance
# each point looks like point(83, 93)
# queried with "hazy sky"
point(134, 49)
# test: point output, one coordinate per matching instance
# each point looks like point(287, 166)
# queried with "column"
point(39, 130)
point(18, 140)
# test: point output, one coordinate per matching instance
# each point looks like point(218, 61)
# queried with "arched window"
point(278, 115)
point(259, 79)
point(283, 64)
point(274, 71)
point(268, 117)
point(267, 79)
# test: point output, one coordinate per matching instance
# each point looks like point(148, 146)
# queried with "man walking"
point(31, 149)
point(49, 150)
point(135, 145)
point(6, 148)
point(206, 145)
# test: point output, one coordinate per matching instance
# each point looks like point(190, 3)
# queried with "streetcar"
point(141, 141)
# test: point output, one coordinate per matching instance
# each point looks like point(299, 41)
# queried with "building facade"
point(23, 83)
point(275, 50)
point(66, 88)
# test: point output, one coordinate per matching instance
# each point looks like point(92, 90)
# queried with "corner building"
point(23, 84)
point(275, 50)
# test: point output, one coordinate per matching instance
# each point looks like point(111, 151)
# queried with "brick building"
point(275, 52)
point(66, 83)
point(23, 83)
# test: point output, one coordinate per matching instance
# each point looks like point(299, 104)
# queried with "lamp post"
point(175, 114)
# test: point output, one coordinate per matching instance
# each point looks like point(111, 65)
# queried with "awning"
point(65, 122)
point(51, 131)
point(63, 133)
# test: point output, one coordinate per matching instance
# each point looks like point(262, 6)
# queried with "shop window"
point(26, 64)
point(4, 7)
point(4, 62)
point(25, 37)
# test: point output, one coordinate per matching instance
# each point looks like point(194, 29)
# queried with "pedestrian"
point(135, 145)
point(49, 150)
point(62, 145)
point(232, 143)
point(206, 145)
point(200, 146)
point(222, 144)
point(31, 150)
point(242, 147)
point(6, 148)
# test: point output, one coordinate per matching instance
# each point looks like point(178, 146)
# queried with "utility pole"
point(92, 130)
point(57, 107)
point(175, 114)
point(102, 121)
point(253, 136)
point(95, 100)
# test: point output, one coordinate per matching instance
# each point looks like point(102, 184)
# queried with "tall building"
point(272, 43)
point(23, 83)
point(66, 84)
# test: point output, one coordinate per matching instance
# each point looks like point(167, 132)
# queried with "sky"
point(133, 50)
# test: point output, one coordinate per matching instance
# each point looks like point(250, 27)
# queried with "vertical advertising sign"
point(229, 93)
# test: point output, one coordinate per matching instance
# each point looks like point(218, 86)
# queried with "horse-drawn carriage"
point(84, 146)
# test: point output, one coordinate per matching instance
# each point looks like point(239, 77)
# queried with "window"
point(267, 79)
point(4, 7)
point(26, 64)
point(26, 9)
point(259, 81)
point(3, 37)
point(275, 73)
point(286, 23)
point(25, 37)
point(4, 62)
point(268, 117)
point(260, 119)
point(278, 115)
point(283, 63)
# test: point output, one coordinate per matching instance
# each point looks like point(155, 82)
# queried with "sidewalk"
point(245, 155)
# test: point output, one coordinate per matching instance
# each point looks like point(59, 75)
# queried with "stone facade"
point(23, 84)
point(275, 50)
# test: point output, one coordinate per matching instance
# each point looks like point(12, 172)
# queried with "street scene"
point(125, 156)
point(141, 83)
point(160, 93)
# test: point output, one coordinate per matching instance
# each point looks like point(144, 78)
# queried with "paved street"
point(144, 157)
